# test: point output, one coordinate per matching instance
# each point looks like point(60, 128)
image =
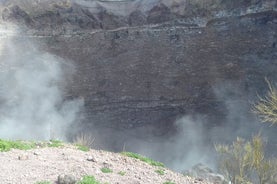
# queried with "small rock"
point(91, 159)
point(138, 177)
point(36, 153)
point(202, 172)
point(23, 157)
point(66, 179)
point(106, 164)
point(39, 145)
point(115, 159)
point(199, 179)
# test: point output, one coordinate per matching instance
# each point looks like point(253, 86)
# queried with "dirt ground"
point(46, 164)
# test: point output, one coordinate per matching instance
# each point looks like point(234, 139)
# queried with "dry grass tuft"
point(84, 139)
point(266, 108)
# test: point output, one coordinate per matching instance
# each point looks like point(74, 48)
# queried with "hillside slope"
point(46, 164)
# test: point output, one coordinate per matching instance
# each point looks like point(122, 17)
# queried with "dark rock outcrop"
point(202, 172)
point(140, 69)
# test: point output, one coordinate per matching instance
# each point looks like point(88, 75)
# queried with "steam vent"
point(164, 78)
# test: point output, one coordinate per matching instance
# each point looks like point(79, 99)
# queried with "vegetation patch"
point(144, 159)
point(245, 162)
point(122, 173)
point(106, 170)
point(82, 147)
point(160, 171)
point(88, 180)
point(6, 145)
point(55, 143)
point(168, 182)
point(43, 182)
point(266, 108)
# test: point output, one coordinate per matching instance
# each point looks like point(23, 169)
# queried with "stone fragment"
point(107, 164)
point(91, 159)
point(66, 179)
point(23, 157)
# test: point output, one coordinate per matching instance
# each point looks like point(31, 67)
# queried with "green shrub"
point(266, 108)
point(4, 145)
point(235, 160)
point(88, 180)
point(244, 162)
point(106, 170)
point(142, 158)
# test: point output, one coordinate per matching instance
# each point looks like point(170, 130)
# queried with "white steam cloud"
point(31, 92)
point(188, 146)
point(195, 136)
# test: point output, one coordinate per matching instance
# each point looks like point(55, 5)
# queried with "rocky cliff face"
point(141, 64)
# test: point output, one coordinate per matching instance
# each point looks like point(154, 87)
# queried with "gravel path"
point(46, 164)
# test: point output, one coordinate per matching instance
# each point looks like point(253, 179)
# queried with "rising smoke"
point(201, 134)
point(189, 146)
point(196, 138)
point(32, 105)
point(194, 141)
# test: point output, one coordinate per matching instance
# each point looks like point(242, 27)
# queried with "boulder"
point(66, 179)
point(202, 172)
